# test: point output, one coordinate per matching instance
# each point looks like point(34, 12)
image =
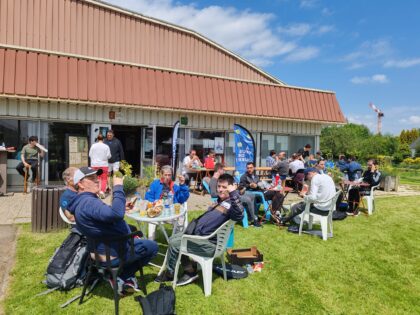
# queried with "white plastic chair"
point(325, 221)
point(64, 218)
point(371, 200)
point(206, 263)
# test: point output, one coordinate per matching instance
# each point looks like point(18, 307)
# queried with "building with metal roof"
point(72, 68)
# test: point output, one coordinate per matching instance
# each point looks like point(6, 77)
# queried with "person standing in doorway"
point(99, 154)
point(29, 158)
point(117, 151)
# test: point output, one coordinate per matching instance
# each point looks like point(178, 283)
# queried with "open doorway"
point(130, 137)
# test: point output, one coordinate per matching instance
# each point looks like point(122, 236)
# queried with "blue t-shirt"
point(66, 197)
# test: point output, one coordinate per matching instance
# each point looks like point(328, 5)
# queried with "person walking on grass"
point(99, 154)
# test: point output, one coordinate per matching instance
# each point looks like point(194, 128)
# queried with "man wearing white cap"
point(97, 220)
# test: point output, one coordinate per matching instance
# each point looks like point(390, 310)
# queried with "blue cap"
point(310, 169)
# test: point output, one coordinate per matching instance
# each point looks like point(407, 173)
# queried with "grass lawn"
point(411, 177)
point(371, 266)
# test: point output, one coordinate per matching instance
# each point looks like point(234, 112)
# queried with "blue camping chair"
point(245, 223)
point(264, 202)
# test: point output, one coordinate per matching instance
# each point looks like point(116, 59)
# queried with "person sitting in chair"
point(97, 220)
point(251, 182)
point(70, 192)
point(248, 200)
point(227, 207)
point(372, 176)
point(321, 191)
point(29, 158)
point(161, 187)
point(353, 168)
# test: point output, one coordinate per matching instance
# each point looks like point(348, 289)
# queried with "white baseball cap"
point(83, 172)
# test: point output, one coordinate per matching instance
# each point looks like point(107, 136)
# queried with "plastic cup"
point(177, 207)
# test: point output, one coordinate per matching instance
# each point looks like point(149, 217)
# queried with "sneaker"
point(131, 285)
point(257, 224)
point(350, 213)
point(356, 213)
point(164, 277)
point(120, 283)
point(187, 278)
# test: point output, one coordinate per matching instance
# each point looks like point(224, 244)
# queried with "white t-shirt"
point(296, 165)
point(321, 191)
point(185, 163)
point(99, 154)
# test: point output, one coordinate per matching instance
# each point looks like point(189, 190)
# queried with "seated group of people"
point(98, 220)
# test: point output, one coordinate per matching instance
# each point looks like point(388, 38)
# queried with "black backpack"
point(67, 267)
point(159, 302)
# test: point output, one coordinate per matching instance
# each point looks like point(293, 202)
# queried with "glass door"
point(148, 146)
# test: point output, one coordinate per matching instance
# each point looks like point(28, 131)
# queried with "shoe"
point(131, 285)
point(120, 283)
point(356, 213)
point(187, 278)
point(350, 213)
point(164, 277)
point(101, 195)
point(257, 224)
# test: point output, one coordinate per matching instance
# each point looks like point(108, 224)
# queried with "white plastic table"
point(159, 220)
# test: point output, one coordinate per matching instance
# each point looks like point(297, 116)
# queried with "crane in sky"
point(380, 114)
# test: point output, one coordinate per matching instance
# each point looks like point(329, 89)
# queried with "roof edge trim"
point(70, 101)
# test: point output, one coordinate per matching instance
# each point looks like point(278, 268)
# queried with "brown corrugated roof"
point(32, 74)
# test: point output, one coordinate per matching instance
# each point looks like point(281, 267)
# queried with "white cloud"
point(308, 4)
point(369, 52)
point(244, 32)
point(324, 29)
point(404, 63)
point(327, 12)
point(414, 119)
point(376, 78)
point(302, 54)
point(302, 29)
point(298, 29)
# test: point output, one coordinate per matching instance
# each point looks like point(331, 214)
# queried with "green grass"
point(411, 177)
point(371, 266)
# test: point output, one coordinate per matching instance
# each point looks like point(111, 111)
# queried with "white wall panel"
point(72, 112)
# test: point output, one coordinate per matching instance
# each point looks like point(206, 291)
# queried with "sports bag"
point(159, 302)
point(67, 267)
point(232, 271)
point(339, 215)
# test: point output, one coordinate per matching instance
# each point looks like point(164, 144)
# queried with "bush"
point(130, 184)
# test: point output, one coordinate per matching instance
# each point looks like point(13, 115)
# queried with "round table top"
point(161, 218)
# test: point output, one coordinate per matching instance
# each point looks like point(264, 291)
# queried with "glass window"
point(204, 141)
point(298, 142)
point(163, 145)
point(274, 142)
point(58, 159)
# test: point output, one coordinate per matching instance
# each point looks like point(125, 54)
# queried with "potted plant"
point(389, 174)
point(146, 179)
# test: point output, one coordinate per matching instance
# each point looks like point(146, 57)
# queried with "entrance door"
point(130, 137)
point(148, 146)
point(96, 129)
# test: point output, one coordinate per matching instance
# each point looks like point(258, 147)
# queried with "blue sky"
point(364, 50)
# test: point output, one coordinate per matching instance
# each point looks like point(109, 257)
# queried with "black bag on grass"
point(67, 267)
point(159, 302)
point(339, 215)
point(232, 271)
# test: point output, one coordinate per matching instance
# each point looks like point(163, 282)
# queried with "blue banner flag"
point(244, 148)
point(174, 148)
